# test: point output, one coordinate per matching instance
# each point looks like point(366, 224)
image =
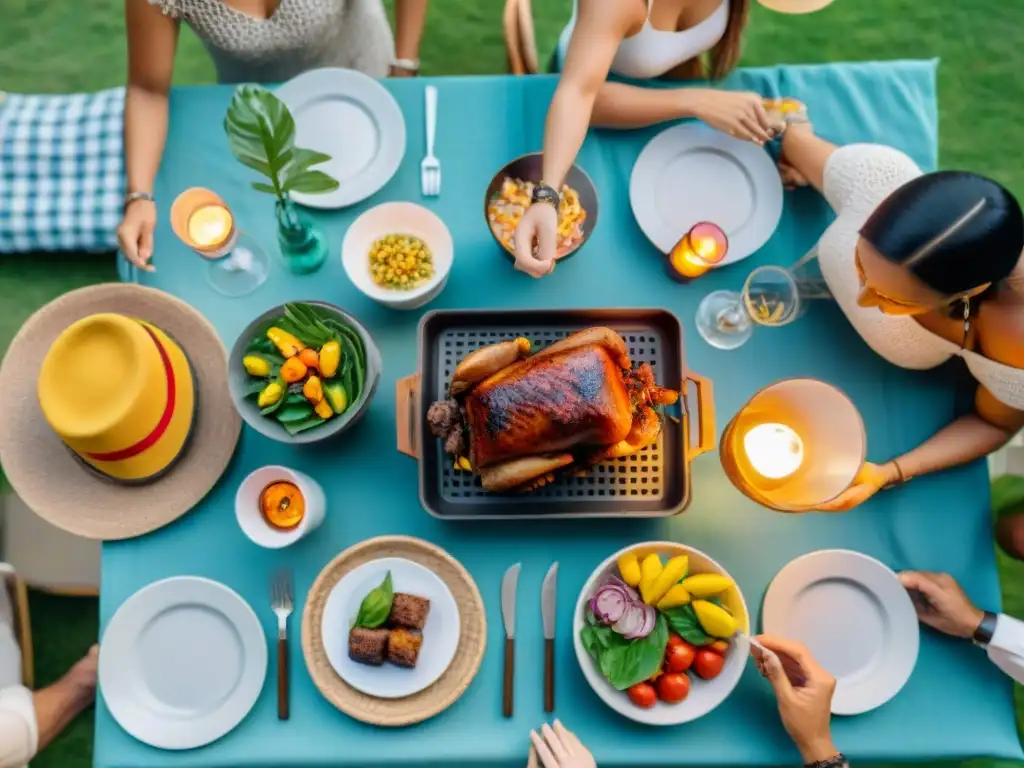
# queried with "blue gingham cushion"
point(61, 171)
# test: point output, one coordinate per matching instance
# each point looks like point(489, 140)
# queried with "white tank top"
point(857, 179)
point(653, 52)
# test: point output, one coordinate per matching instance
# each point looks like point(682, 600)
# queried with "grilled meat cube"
point(409, 611)
point(368, 646)
point(404, 647)
point(548, 404)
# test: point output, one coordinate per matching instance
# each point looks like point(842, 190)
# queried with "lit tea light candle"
point(700, 249)
point(209, 226)
point(773, 450)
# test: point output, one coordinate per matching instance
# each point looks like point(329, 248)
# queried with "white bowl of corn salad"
point(398, 254)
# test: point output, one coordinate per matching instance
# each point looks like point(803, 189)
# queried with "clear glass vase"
point(303, 245)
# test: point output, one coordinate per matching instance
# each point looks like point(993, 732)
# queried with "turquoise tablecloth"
point(956, 703)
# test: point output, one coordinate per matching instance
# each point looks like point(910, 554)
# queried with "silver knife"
point(548, 604)
point(509, 587)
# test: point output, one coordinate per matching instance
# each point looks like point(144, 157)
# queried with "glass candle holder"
point(796, 444)
point(699, 250)
point(203, 221)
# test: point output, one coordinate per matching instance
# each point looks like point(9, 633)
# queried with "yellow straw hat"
point(119, 393)
point(115, 415)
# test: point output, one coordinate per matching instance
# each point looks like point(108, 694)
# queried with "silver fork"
point(281, 602)
point(430, 168)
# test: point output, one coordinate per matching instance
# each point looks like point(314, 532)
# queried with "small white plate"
point(440, 633)
point(182, 662)
point(691, 173)
point(397, 219)
point(854, 616)
point(355, 120)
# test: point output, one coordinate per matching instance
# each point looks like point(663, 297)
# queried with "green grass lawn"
point(50, 47)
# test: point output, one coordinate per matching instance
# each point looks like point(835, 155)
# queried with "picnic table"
point(955, 705)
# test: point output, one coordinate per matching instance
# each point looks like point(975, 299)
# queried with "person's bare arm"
point(152, 40)
point(600, 27)
point(806, 153)
point(620, 105)
point(410, 16)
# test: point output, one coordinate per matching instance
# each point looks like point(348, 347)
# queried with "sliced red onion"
point(650, 619)
point(632, 621)
point(633, 594)
point(609, 603)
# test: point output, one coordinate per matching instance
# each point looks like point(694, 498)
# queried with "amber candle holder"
point(699, 250)
point(204, 222)
point(796, 444)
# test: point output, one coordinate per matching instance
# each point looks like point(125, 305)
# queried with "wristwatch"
point(545, 193)
point(131, 197)
point(839, 761)
point(986, 630)
point(406, 65)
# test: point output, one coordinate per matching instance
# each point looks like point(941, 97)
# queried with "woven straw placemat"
point(52, 481)
point(455, 680)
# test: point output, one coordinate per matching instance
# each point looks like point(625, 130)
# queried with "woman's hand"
point(945, 606)
point(870, 480)
point(135, 234)
point(538, 225)
point(558, 748)
point(400, 72)
point(806, 710)
point(738, 114)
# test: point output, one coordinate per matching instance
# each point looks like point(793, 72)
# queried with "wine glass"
point(203, 221)
point(772, 296)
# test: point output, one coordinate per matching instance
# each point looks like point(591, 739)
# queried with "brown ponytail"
point(724, 56)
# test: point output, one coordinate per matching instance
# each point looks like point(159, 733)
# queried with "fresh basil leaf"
point(376, 606)
point(294, 412)
point(310, 183)
point(254, 387)
point(683, 621)
point(294, 427)
point(259, 186)
point(626, 662)
point(303, 160)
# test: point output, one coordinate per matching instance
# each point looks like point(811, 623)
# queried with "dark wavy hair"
point(954, 230)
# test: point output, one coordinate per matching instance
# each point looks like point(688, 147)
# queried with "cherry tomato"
point(674, 640)
point(679, 658)
point(643, 695)
point(719, 646)
point(673, 688)
point(708, 664)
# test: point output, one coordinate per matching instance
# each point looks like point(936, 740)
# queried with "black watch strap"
point(543, 193)
point(839, 761)
point(986, 629)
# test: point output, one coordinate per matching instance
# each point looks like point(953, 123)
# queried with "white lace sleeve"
point(862, 175)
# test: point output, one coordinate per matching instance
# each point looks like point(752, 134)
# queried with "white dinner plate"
point(440, 633)
point(182, 662)
point(691, 173)
point(356, 121)
point(854, 616)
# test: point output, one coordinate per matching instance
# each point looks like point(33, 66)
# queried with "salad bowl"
point(613, 682)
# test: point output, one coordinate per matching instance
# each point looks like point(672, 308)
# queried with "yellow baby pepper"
point(286, 343)
point(676, 596)
point(323, 409)
point(715, 620)
point(312, 390)
point(650, 570)
point(256, 366)
point(270, 394)
point(629, 569)
point(707, 584)
point(330, 356)
point(673, 571)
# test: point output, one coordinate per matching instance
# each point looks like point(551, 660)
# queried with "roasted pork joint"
point(519, 419)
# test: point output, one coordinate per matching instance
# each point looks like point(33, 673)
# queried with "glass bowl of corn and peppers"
point(303, 371)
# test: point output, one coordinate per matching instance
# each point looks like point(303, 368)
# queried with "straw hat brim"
point(795, 6)
point(53, 482)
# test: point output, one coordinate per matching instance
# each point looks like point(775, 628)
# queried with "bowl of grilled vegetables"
point(303, 372)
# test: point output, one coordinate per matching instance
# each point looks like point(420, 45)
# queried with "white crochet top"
point(857, 178)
